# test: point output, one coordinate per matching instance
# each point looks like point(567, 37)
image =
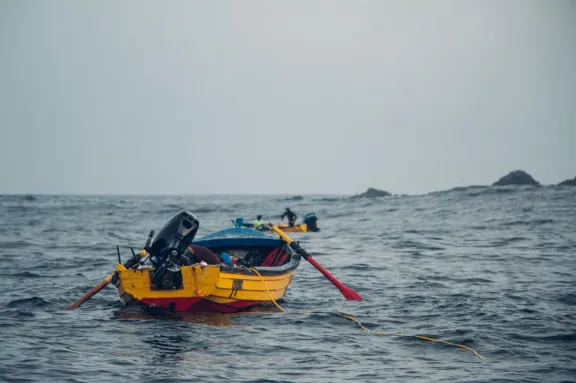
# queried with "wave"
point(331, 199)
point(293, 198)
point(172, 210)
point(17, 244)
point(507, 241)
point(25, 274)
point(409, 245)
point(534, 222)
point(483, 190)
point(467, 188)
point(569, 299)
point(28, 303)
point(341, 214)
point(459, 280)
point(555, 338)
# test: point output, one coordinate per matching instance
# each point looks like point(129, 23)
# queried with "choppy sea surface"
point(493, 269)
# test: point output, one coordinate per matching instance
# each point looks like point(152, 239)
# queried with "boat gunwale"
point(264, 270)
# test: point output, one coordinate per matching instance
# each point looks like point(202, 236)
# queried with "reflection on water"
point(169, 345)
point(211, 319)
point(180, 339)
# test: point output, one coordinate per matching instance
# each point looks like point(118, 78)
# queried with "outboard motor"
point(171, 243)
point(311, 221)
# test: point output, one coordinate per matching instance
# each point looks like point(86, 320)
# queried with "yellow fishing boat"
point(302, 228)
point(259, 271)
point(225, 271)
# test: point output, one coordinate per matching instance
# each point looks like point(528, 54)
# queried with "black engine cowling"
point(176, 234)
point(171, 242)
point(169, 246)
point(311, 221)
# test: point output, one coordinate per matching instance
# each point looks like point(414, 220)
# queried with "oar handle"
point(294, 245)
point(282, 235)
point(299, 250)
point(114, 276)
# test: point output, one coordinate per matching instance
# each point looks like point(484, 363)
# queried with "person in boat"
point(197, 254)
point(226, 258)
point(258, 224)
point(291, 217)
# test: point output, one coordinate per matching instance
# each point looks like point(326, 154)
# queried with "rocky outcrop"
point(570, 182)
point(517, 177)
point(372, 193)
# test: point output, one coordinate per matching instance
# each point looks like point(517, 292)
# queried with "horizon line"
point(168, 194)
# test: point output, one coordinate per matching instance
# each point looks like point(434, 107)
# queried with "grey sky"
point(284, 97)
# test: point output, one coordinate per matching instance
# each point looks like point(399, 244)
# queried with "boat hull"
point(212, 288)
point(294, 229)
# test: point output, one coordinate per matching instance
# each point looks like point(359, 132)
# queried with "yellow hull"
point(294, 229)
point(208, 288)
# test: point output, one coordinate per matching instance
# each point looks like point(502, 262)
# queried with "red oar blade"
point(346, 291)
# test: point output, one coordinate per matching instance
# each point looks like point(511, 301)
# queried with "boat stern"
point(185, 288)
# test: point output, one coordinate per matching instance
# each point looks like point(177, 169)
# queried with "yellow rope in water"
point(366, 328)
point(414, 336)
point(268, 291)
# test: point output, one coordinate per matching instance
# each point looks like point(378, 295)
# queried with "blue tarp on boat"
point(238, 236)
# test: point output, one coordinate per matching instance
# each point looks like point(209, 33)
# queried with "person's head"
point(259, 217)
point(287, 209)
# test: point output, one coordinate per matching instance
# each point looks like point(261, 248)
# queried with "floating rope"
point(405, 335)
point(268, 291)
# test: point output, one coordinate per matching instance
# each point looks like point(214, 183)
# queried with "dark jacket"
point(290, 215)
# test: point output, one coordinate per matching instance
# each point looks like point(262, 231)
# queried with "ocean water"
point(491, 269)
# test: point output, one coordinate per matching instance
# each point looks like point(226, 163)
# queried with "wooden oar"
point(128, 264)
point(348, 293)
point(92, 292)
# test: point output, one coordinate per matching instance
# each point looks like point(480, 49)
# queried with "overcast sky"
point(296, 96)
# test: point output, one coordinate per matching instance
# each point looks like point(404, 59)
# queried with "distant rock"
point(372, 193)
point(517, 177)
point(570, 182)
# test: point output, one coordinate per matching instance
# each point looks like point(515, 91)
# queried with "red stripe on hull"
point(179, 304)
point(196, 304)
point(232, 307)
